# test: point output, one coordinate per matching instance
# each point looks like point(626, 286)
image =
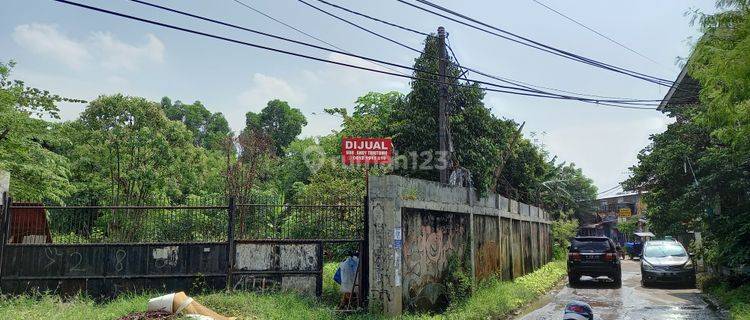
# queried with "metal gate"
point(223, 244)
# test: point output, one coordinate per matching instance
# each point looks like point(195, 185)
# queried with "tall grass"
point(735, 297)
point(492, 298)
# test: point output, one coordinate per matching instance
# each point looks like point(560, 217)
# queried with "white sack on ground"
point(180, 303)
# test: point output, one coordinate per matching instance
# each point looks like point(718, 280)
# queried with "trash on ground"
point(180, 303)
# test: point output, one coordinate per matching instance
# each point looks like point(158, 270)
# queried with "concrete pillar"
point(385, 294)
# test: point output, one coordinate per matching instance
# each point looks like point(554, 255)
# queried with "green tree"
point(210, 130)
point(332, 181)
point(371, 116)
point(568, 189)
point(696, 172)
point(279, 121)
point(480, 139)
point(563, 230)
point(474, 130)
point(129, 152)
point(27, 142)
point(292, 169)
point(674, 200)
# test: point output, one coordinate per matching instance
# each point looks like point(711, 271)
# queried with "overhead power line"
point(301, 31)
point(374, 19)
point(286, 24)
point(169, 26)
point(609, 190)
point(528, 41)
point(532, 87)
point(532, 43)
point(596, 32)
point(538, 88)
point(359, 27)
point(377, 61)
point(502, 79)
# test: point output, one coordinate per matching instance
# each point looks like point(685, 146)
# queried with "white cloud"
point(265, 88)
point(346, 84)
point(606, 149)
point(101, 48)
point(361, 79)
point(338, 57)
point(45, 39)
point(120, 55)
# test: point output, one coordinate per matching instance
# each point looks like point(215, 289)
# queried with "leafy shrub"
point(735, 296)
point(628, 227)
point(562, 232)
point(457, 280)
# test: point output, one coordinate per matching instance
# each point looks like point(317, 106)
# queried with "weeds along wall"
point(417, 229)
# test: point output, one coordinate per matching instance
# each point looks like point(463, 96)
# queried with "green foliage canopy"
point(210, 130)
point(27, 141)
point(279, 120)
point(696, 172)
point(128, 151)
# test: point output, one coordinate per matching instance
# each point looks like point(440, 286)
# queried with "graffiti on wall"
point(430, 240)
point(378, 286)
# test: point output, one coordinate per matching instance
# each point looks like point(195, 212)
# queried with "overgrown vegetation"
point(458, 280)
point(735, 296)
point(696, 172)
point(496, 298)
point(562, 231)
point(628, 227)
point(126, 150)
point(491, 299)
point(245, 305)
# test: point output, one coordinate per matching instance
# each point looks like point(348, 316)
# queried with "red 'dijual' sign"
point(366, 150)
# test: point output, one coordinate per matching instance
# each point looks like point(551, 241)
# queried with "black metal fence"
point(93, 248)
point(191, 223)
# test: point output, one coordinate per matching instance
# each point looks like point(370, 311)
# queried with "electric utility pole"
point(442, 105)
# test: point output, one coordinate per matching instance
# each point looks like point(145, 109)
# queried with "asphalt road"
point(631, 301)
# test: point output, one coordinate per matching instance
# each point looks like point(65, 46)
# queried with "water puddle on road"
point(539, 303)
point(631, 301)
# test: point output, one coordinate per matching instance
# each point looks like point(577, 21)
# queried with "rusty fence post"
point(231, 212)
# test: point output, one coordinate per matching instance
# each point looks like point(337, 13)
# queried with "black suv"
point(594, 257)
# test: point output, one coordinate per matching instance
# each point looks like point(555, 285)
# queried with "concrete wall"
point(430, 239)
point(416, 226)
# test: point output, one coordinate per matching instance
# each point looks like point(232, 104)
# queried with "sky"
point(83, 54)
